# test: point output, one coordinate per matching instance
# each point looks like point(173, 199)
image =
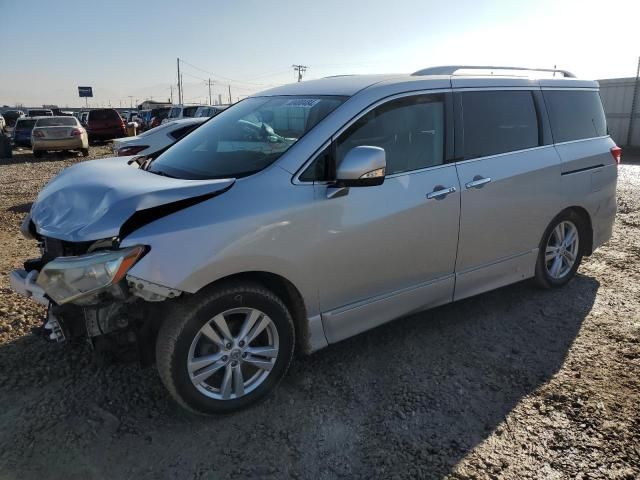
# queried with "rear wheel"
point(85, 152)
point(38, 153)
point(225, 349)
point(561, 250)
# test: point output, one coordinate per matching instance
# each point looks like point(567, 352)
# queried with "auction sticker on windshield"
point(302, 102)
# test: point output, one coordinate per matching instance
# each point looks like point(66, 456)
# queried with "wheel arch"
point(285, 290)
point(586, 218)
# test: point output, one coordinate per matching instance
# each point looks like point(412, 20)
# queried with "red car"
point(105, 124)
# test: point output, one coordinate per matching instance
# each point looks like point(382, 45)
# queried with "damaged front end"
point(79, 220)
point(89, 294)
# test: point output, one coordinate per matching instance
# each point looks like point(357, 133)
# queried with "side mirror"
point(362, 166)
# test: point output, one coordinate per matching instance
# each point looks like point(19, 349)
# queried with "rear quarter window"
point(496, 122)
point(575, 115)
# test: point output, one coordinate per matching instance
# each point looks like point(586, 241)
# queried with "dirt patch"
point(515, 383)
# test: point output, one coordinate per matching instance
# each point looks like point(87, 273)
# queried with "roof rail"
point(452, 69)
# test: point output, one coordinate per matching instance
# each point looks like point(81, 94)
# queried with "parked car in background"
point(104, 124)
point(10, 117)
point(21, 134)
point(83, 117)
point(157, 115)
point(58, 133)
point(209, 111)
point(181, 111)
point(61, 113)
point(157, 138)
point(39, 112)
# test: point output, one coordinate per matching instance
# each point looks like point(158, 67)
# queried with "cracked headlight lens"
point(66, 279)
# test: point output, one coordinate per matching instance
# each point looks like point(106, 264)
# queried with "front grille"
point(54, 248)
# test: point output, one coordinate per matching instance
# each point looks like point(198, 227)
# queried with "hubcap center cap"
point(235, 354)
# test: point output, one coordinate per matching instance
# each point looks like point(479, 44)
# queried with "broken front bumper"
point(25, 284)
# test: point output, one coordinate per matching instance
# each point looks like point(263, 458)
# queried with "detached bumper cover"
point(25, 284)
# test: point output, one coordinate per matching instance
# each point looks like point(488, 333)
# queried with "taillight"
point(616, 153)
point(75, 132)
point(38, 133)
point(132, 150)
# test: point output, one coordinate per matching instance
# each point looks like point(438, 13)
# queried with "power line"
point(299, 69)
point(225, 78)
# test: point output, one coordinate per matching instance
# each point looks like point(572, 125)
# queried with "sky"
point(127, 49)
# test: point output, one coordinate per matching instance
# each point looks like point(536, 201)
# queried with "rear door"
point(509, 174)
point(392, 247)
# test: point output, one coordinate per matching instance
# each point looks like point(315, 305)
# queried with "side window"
point(575, 115)
point(319, 169)
point(410, 129)
point(496, 122)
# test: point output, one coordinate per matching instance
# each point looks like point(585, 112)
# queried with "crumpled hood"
point(91, 200)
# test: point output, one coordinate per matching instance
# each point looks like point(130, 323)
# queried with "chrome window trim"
point(583, 140)
point(528, 149)
point(539, 147)
point(296, 178)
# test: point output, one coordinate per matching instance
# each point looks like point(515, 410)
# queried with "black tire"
point(85, 152)
point(185, 319)
point(38, 153)
point(543, 278)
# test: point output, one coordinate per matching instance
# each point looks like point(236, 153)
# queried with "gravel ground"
point(515, 383)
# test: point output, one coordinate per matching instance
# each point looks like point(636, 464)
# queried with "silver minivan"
point(315, 211)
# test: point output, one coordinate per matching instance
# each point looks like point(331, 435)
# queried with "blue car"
point(21, 136)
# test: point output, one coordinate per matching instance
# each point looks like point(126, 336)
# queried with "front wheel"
point(85, 152)
point(561, 251)
point(225, 349)
point(38, 153)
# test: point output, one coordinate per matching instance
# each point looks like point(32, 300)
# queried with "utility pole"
point(634, 106)
point(171, 88)
point(299, 69)
point(210, 102)
point(230, 101)
point(179, 83)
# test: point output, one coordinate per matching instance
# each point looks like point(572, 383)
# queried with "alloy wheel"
point(562, 249)
point(233, 353)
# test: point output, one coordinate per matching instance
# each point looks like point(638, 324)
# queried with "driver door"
point(393, 246)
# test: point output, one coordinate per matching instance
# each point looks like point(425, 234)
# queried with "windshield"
point(244, 139)
point(57, 122)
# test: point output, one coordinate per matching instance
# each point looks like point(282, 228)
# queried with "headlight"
point(66, 279)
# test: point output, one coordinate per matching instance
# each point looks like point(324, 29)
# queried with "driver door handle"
point(440, 192)
point(477, 182)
